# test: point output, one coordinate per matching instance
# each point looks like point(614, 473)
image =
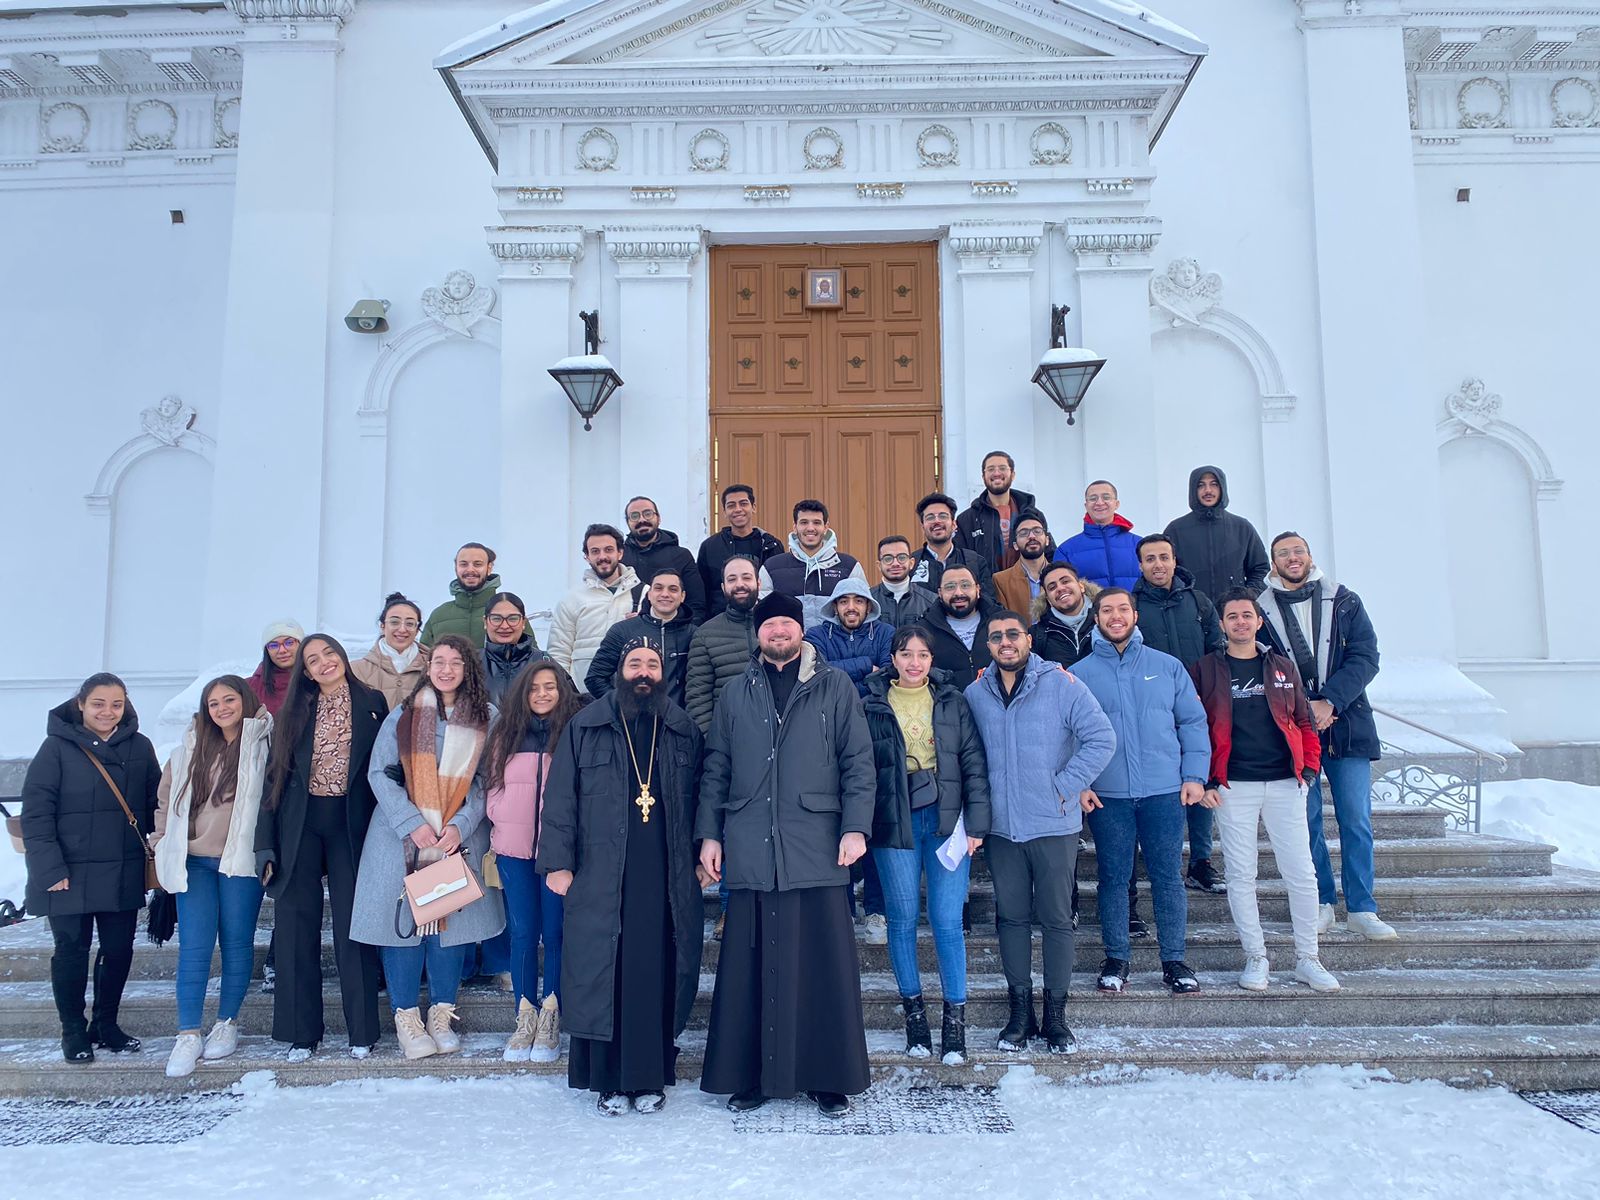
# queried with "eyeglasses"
point(513, 619)
point(1006, 635)
point(283, 644)
point(641, 514)
point(958, 585)
point(401, 623)
point(890, 559)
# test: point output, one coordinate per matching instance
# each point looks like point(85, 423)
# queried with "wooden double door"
point(838, 404)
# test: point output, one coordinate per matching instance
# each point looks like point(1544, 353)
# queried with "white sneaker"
point(412, 1035)
point(185, 1054)
point(520, 1044)
point(223, 1040)
point(1314, 975)
point(547, 1034)
point(441, 1019)
point(1326, 914)
point(1256, 974)
point(1369, 927)
point(875, 929)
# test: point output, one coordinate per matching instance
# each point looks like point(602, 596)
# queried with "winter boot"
point(1203, 877)
point(108, 1035)
point(953, 1034)
point(1055, 1024)
point(547, 1033)
point(919, 1043)
point(441, 1023)
point(412, 1035)
point(1020, 1023)
point(519, 1046)
point(1113, 975)
point(1176, 975)
point(75, 1044)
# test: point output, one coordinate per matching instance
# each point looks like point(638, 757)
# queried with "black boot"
point(75, 1044)
point(1055, 1024)
point(953, 1033)
point(1020, 1024)
point(919, 1042)
point(109, 1036)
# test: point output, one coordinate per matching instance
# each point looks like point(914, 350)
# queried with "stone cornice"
point(1351, 14)
point(634, 243)
point(995, 247)
point(536, 243)
point(292, 11)
point(1113, 242)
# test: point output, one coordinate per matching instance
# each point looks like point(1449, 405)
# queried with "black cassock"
point(641, 1056)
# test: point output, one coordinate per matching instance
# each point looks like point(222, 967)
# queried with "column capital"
point(990, 246)
point(1350, 14)
point(292, 24)
point(1120, 244)
point(653, 251)
point(537, 251)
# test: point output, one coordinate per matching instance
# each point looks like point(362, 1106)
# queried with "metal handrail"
point(1443, 737)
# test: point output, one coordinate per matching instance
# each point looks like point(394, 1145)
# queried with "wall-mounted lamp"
point(588, 379)
point(368, 316)
point(1065, 372)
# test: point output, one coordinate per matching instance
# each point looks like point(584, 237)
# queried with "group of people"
point(755, 717)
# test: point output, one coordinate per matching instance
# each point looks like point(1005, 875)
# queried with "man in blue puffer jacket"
point(1106, 552)
point(850, 636)
point(1161, 763)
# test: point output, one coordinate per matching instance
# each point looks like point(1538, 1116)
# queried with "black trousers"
point(297, 1001)
point(69, 966)
point(1034, 879)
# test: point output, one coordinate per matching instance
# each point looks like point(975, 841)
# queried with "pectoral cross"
point(645, 801)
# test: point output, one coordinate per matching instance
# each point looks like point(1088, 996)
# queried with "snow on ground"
point(1323, 1132)
point(1547, 810)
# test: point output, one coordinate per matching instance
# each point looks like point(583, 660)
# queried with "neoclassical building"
point(1342, 248)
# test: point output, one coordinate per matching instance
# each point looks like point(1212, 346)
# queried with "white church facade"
point(1342, 248)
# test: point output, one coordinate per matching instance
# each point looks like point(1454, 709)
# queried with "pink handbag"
point(435, 891)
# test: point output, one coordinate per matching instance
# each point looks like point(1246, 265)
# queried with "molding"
point(740, 109)
point(1351, 14)
point(987, 247)
point(398, 352)
point(1113, 243)
point(1474, 411)
point(168, 425)
point(292, 11)
point(545, 249)
point(459, 303)
point(653, 252)
point(880, 191)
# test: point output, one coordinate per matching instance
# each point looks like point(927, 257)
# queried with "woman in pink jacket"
point(537, 705)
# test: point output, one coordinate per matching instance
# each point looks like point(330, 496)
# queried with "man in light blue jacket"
point(1162, 758)
point(1046, 741)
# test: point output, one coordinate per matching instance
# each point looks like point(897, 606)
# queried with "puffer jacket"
point(583, 615)
point(238, 852)
point(1104, 554)
point(960, 773)
point(1162, 740)
point(1219, 548)
point(515, 807)
point(715, 552)
point(811, 578)
point(462, 614)
point(663, 552)
point(950, 653)
point(376, 669)
point(856, 651)
point(1057, 642)
point(672, 638)
point(1346, 653)
point(503, 660)
point(1179, 620)
point(1044, 749)
point(719, 652)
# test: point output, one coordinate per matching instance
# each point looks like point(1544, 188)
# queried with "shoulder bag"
point(150, 880)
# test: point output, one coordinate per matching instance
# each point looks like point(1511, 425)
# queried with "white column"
point(266, 519)
point(538, 554)
point(1379, 409)
point(1118, 417)
point(653, 332)
point(998, 404)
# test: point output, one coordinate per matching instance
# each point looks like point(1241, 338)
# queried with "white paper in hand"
point(954, 849)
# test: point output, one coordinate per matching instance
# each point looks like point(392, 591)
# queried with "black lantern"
point(1065, 372)
point(588, 379)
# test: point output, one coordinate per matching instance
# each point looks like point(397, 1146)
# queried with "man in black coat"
point(985, 526)
point(665, 622)
point(900, 602)
point(959, 626)
point(617, 841)
point(1063, 625)
point(649, 547)
point(1220, 549)
point(936, 512)
point(787, 803)
point(741, 535)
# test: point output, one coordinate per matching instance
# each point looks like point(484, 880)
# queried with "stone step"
point(1539, 1058)
point(1415, 998)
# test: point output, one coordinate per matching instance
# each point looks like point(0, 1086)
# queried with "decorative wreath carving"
point(827, 160)
point(225, 123)
point(152, 124)
point(598, 150)
point(717, 159)
point(1474, 118)
point(928, 141)
point(1051, 145)
point(1571, 118)
point(63, 128)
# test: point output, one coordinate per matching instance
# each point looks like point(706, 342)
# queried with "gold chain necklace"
point(644, 799)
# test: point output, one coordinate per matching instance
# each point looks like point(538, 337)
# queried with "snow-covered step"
point(1530, 1057)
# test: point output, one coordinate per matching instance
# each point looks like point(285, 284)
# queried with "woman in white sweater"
point(204, 843)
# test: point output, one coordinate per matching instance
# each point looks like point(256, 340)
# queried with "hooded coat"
point(960, 775)
point(1179, 620)
point(810, 577)
point(1057, 642)
point(1220, 549)
point(462, 614)
point(502, 661)
point(854, 651)
point(719, 653)
point(1104, 554)
point(978, 526)
point(672, 638)
point(715, 552)
point(72, 826)
point(1346, 649)
point(663, 552)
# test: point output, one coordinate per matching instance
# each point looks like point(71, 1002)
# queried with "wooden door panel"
point(748, 292)
point(903, 365)
point(903, 290)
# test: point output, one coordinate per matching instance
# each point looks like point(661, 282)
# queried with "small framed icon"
point(824, 287)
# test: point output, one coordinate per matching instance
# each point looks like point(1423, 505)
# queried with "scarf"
point(436, 781)
point(1310, 655)
point(1072, 623)
point(400, 659)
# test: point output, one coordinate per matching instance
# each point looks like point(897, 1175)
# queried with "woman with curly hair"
point(425, 774)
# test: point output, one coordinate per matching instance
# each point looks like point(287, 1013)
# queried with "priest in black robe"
point(617, 840)
point(786, 804)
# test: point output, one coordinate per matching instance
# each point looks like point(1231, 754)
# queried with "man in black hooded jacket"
point(1220, 549)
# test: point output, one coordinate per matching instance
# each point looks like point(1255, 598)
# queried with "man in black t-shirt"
point(1264, 753)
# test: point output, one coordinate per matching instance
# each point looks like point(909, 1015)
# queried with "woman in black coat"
point(313, 823)
point(85, 860)
point(933, 778)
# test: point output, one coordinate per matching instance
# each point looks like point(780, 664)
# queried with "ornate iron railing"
point(1450, 781)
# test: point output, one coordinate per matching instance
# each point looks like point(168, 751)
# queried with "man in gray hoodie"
point(1047, 740)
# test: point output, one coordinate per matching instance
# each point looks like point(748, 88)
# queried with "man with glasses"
point(936, 513)
point(959, 626)
point(1018, 586)
point(650, 548)
point(900, 601)
point(1046, 740)
point(988, 525)
point(740, 535)
point(664, 623)
point(470, 592)
point(609, 592)
point(1104, 552)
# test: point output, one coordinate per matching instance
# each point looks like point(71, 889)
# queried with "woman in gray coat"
point(425, 774)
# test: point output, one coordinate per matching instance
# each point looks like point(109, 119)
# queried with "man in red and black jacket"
point(1265, 752)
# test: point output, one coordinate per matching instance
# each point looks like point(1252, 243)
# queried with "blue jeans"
point(901, 872)
point(532, 911)
point(1350, 782)
point(215, 904)
point(489, 957)
point(1200, 820)
point(403, 965)
point(1156, 825)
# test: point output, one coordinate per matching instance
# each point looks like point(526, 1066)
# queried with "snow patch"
point(1553, 811)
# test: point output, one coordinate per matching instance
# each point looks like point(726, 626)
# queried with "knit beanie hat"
point(282, 629)
point(779, 604)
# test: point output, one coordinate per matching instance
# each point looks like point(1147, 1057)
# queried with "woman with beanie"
point(270, 681)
